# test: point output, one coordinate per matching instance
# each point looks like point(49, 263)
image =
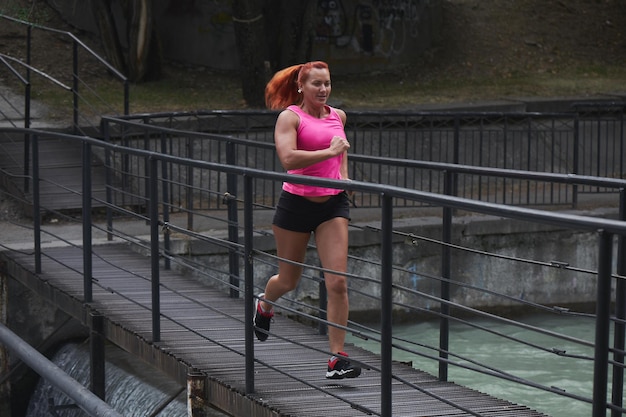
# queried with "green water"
point(572, 375)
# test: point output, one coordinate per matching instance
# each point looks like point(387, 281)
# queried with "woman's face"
point(316, 88)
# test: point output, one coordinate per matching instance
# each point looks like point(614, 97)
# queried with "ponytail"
point(282, 90)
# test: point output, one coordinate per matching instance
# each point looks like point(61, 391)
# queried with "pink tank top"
point(315, 134)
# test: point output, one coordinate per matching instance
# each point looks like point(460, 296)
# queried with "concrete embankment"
point(527, 261)
point(531, 262)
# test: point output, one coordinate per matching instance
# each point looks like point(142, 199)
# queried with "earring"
point(299, 91)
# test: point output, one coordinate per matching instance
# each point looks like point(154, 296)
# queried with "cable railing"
point(469, 181)
point(381, 279)
point(578, 142)
point(75, 60)
point(596, 120)
point(27, 70)
point(10, 105)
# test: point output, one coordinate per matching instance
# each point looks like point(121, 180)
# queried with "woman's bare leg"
point(331, 238)
point(292, 246)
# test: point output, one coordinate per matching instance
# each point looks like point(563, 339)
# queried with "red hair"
point(282, 90)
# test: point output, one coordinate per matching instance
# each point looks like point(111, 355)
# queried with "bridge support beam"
point(197, 400)
point(97, 359)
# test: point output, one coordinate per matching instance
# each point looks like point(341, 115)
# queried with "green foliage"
point(25, 10)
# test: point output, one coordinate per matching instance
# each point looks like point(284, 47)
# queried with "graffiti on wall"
point(374, 27)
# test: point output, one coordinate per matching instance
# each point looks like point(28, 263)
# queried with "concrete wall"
point(351, 35)
point(533, 276)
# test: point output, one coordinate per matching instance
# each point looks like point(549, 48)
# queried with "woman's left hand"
point(339, 145)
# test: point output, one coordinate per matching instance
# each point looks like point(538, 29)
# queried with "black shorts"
point(298, 214)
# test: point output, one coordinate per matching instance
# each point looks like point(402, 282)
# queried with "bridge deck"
point(60, 165)
point(202, 330)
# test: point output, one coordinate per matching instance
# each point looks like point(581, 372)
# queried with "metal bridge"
point(150, 302)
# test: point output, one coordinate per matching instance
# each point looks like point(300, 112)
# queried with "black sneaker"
point(339, 367)
point(262, 320)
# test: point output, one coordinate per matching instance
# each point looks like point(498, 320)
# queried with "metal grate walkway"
point(202, 330)
point(60, 164)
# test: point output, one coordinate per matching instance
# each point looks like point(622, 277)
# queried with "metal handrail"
point(27, 94)
point(4, 57)
point(77, 44)
point(85, 399)
point(74, 38)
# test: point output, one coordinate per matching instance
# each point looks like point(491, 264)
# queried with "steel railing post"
point(27, 145)
point(603, 317)
point(154, 248)
point(36, 204)
point(29, 51)
point(233, 221)
point(505, 150)
point(323, 305)
point(386, 306)
point(105, 128)
point(146, 168)
point(457, 150)
point(617, 397)
point(576, 157)
point(249, 280)
point(126, 97)
point(125, 174)
point(190, 181)
point(622, 145)
point(87, 248)
point(166, 203)
point(444, 322)
point(27, 92)
point(529, 135)
point(75, 84)
point(97, 356)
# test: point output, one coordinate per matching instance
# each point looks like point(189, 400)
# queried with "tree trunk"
point(108, 34)
point(307, 32)
point(249, 32)
point(295, 30)
point(142, 61)
point(290, 32)
point(140, 39)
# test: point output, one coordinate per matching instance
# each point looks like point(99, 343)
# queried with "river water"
point(572, 375)
point(134, 388)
